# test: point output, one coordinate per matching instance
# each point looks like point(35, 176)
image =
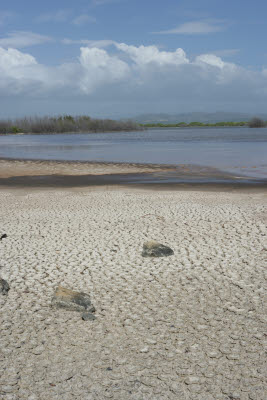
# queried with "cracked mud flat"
point(188, 326)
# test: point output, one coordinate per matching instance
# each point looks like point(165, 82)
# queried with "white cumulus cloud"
point(100, 68)
point(151, 54)
point(21, 73)
point(212, 60)
point(12, 58)
point(221, 70)
point(129, 77)
point(17, 70)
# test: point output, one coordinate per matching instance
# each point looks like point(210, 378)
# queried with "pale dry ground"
point(189, 326)
point(10, 168)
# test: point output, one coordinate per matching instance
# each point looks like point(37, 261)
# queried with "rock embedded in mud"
point(71, 300)
point(155, 249)
point(4, 286)
point(88, 316)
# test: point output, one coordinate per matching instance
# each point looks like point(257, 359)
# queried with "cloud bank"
point(132, 76)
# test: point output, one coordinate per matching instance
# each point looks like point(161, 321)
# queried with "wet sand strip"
point(59, 174)
point(142, 181)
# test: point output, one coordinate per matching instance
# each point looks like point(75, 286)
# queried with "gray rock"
point(71, 300)
point(87, 316)
point(155, 249)
point(4, 286)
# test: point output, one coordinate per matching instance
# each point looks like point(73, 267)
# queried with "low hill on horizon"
point(203, 117)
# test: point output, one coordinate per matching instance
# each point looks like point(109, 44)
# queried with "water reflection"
point(237, 150)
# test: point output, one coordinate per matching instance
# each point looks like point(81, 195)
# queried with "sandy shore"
point(24, 168)
point(188, 326)
point(70, 174)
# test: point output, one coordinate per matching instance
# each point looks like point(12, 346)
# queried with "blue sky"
point(122, 57)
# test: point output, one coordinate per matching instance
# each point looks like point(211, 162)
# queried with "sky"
point(121, 58)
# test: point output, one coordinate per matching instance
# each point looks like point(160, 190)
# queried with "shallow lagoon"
point(236, 150)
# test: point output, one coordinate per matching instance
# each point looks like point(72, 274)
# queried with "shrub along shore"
point(193, 124)
point(253, 123)
point(85, 124)
point(65, 124)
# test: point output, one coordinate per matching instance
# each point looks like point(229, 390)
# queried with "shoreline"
point(67, 174)
point(57, 173)
point(139, 188)
point(10, 167)
point(143, 129)
point(71, 133)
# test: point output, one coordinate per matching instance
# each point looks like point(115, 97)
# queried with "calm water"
point(239, 150)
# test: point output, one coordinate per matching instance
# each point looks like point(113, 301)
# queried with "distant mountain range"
point(196, 116)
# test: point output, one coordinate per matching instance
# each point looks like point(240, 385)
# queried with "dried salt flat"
point(188, 326)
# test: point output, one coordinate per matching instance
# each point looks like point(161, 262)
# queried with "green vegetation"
point(65, 124)
point(83, 123)
point(253, 123)
point(15, 129)
point(194, 124)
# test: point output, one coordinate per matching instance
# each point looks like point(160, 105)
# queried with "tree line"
point(83, 124)
point(65, 124)
point(253, 123)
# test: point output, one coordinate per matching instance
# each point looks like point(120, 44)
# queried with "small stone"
point(192, 380)
point(71, 300)
point(4, 286)
point(144, 350)
point(155, 249)
point(87, 316)
point(235, 395)
point(232, 356)
point(151, 341)
point(3, 236)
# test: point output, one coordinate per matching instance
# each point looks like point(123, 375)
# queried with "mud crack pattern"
point(188, 326)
